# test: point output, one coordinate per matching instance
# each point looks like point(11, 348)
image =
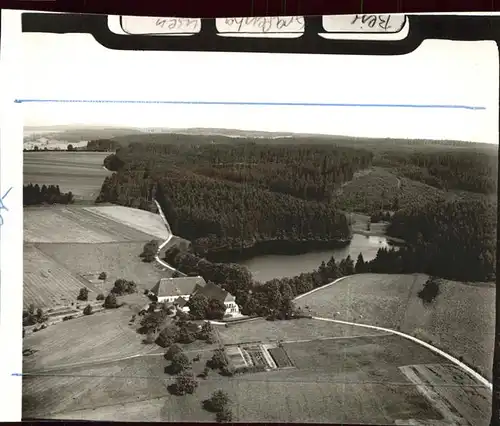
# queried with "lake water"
point(267, 267)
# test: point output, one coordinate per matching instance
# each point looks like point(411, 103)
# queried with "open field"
point(47, 283)
point(118, 260)
point(102, 336)
point(346, 380)
point(460, 321)
point(82, 173)
point(144, 221)
point(73, 224)
point(262, 330)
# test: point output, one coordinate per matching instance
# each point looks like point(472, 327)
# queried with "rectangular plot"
point(280, 357)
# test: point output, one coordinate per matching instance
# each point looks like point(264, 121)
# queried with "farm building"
point(178, 290)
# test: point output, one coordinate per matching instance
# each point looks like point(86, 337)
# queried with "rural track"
point(434, 349)
point(160, 248)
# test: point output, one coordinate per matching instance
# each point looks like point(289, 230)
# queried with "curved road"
point(454, 360)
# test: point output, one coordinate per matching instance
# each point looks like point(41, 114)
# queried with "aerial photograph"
point(300, 264)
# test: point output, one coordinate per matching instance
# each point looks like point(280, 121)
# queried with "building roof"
point(180, 302)
point(213, 291)
point(181, 286)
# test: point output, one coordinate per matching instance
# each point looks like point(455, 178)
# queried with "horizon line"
point(242, 103)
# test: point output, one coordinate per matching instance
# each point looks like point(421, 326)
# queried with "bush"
point(180, 362)
point(149, 252)
point(103, 276)
point(110, 302)
point(185, 383)
point(87, 310)
point(172, 351)
point(83, 295)
point(218, 360)
point(68, 317)
point(122, 287)
point(218, 401)
point(100, 296)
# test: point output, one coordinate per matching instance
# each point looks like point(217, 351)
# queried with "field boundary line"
point(455, 361)
point(300, 296)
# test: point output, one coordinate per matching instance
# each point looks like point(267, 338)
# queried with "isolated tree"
point(149, 251)
point(70, 147)
point(110, 301)
point(185, 383)
point(360, 264)
point(218, 360)
point(180, 362)
point(83, 295)
point(87, 310)
point(198, 304)
point(224, 416)
point(103, 276)
point(219, 400)
point(100, 296)
point(430, 291)
point(171, 351)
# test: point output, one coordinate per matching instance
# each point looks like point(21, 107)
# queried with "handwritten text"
point(365, 23)
point(3, 206)
point(268, 24)
point(179, 25)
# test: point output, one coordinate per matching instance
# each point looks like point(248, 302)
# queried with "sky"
point(75, 66)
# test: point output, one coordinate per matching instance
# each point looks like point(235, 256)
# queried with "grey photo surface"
point(198, 273)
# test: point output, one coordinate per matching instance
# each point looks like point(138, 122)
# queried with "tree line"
point(455, 239)
point(51, 194)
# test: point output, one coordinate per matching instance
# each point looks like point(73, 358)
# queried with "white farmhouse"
point(177, 291)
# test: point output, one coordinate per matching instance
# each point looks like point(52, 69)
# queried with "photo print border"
point(421, 27)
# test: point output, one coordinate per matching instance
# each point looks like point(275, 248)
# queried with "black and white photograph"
point(207, 246)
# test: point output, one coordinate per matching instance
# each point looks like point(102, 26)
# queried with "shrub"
point(171, 351)
point(149, 252)
point(87, 310)
point(218, 360)
point(103, 276)
point(110, 302)
point(122, 287)
point(100, 296)
point(185, 383)
point(218, 401)
point(180, 362)
point(83, 295)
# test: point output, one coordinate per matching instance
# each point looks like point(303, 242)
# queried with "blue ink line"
point(303, 104)
point(2, 205)
point(17, 374)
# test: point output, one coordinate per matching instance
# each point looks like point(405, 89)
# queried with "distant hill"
point(72, 134)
